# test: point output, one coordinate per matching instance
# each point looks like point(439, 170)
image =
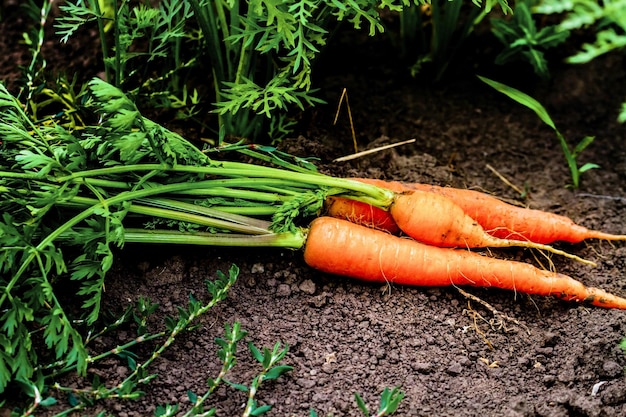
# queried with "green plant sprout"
point(269, 360)
point(389, 402)
point(522, 40)
point(571, 155)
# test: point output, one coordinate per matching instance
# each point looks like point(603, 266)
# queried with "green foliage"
point(162, 29)
point(607, 19)
point(306, 204)
point(32, 234)
point(389, 402)
point(434, 33)
point(260, 53)
point(522, 39)
point(571, 154)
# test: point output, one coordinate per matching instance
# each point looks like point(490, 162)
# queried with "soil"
point(449, 354)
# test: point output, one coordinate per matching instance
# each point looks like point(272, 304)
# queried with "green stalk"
point(370, 194)
point(103, 39)
point(186, 212)
point(234, 193)
point(281, 240)
point(244, 223)
point(248, 210)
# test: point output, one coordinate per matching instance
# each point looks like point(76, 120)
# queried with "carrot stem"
point(288, 240)
point(186, 212)
point(366, 193)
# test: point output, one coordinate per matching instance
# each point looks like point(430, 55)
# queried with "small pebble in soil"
point(611, 369)
point(307, 286)
point(422, 367)
point(283, 290)
point(306, 383)
point(258, 268)
point(319, 300)
point(455, 368)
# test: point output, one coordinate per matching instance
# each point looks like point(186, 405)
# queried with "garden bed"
point(449, 354)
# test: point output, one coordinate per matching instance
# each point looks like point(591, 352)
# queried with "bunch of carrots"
point(436, 219)
point(421, 236)
point(127, 180)
point(89, 188)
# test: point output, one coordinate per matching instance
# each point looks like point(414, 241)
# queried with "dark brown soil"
point(450, 355)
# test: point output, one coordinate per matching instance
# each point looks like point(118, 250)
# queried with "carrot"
point(512, 222)
point(505, 220)
point(361, 213)
point(436, 220)
point(428, 218)
point(376, 256)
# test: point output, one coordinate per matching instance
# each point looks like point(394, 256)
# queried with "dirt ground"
point(450, 355)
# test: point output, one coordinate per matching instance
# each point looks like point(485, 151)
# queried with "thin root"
point(498, 322)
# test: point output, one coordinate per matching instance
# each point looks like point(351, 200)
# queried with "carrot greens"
point(71, 195)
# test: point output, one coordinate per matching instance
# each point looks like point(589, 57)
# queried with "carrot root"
point(504, 220)
point(436, 220)
point(339, 247)
point(361, 213)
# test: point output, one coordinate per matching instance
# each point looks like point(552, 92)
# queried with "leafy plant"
point(571, 154)
point(260, 53)
point(606, 18)
point(522, 39)
point(435, 31)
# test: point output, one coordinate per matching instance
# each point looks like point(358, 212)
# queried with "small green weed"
point(571, 154)
point(389, 402)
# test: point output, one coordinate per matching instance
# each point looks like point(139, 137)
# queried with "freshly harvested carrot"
point(429, 218)
point(511, 222)
point(436, 220)
point(361, 213)
point(504, 220)
point(376, 256)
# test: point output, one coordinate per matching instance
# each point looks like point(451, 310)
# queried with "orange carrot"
point(376, 256)
point(436, 220)
point(505, 220)
point(361, 213)
point(511, 222)
point(428, 218)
